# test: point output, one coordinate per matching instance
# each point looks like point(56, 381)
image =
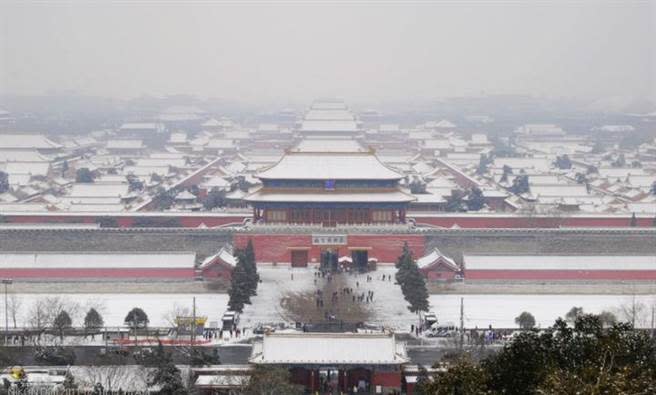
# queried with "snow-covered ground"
point(501, 310)
point(114, 307)
point(389, 308)
point(276, 282)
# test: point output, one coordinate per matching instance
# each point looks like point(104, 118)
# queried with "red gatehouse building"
point(324, 200)
point(329, 183)
point(336, 362)
point(315, 246)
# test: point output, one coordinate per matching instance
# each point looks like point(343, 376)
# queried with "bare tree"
point(634, 312)
point(171, 316)
point(42, 314)
point(127, 378)
point(14, 305)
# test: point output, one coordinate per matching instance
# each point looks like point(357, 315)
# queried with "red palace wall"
point(271, 248)
point(158, 273)
point(125, 221)
point(439, 275)
point(511, 221)
point(217, 271)
point(447, 221)
point(386, 379)
point(616, 275)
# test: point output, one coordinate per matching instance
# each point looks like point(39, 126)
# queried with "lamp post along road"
point(6, 282)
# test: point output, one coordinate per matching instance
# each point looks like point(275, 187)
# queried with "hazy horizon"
point(295, 52)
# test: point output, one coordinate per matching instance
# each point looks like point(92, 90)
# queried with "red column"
point(312, 380)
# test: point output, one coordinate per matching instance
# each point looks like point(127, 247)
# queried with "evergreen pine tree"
point(62, 321)
point(93, 320)
point(137, 318)
point(405, 253)
point(423, 382)
point(84, 175)
point(240, 287)
point(520, 185)
point(251, 267)
point(412, 282)
point(475, 200)
point(525, 320)
point(414, 289)
point(403, 263)
point(455, 202)
point(507, 170)
point(69, 381)
point(4, 182)
point(167, 375)
point(98, 389)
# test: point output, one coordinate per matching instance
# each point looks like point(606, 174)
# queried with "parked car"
point(428, 320)
point(261, 329)
point(447, 329)
point(229, 320)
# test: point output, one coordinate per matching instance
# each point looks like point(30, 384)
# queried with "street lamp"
point(6, 282)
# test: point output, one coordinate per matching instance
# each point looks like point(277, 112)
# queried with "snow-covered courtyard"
point(388, 308)
point(114, 307)
point(276, 282)
point(501, 310)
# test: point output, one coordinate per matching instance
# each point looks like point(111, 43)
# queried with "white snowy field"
point(500, 310)
point(388, 307)
point(276, 282)
point(114, 307)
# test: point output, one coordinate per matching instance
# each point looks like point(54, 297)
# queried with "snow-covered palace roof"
point(370, 196)
point(329, 166)
point(104, 260)
point(225, 255)
point(434, 257)
point(559, 262)
point(329, 348)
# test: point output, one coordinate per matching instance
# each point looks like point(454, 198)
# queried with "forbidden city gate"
point(329, 260)
point(299, 257)
point(360, 260)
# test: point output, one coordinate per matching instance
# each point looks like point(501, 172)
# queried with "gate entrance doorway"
point(299, 258)
point(329, 381)
point(360, 260)
point(329, 260)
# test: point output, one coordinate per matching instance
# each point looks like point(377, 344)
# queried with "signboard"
point(332, 240)
point(329, 185)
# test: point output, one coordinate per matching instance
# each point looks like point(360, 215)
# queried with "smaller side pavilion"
point(340, 362)
point(219, 265)
point(438, 267)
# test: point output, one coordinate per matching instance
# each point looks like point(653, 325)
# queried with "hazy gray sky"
point(295, 51)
